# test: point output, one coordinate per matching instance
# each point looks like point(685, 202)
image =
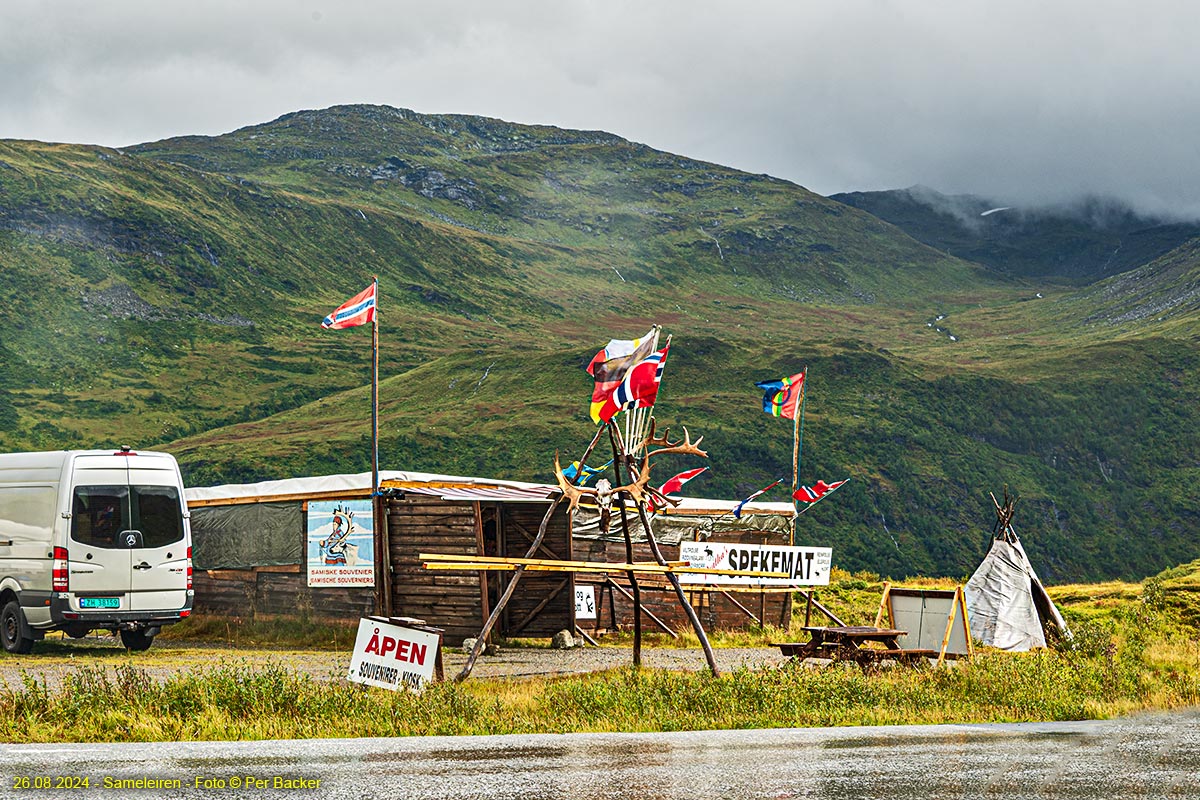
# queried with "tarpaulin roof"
point(451, 487)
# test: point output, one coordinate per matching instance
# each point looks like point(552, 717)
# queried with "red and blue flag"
point(358, 310)
point(811, 494)
point(638, 388)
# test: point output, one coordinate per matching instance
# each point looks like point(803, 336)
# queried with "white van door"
point(158, 567)
point(100, 561)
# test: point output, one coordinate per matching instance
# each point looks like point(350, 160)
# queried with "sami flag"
point(781, 398)
point(811, 494)
point(358, 310)
point(610, 365)
point(638, 389)
point(676, 483)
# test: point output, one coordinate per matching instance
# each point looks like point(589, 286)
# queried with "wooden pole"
point(481, 641)
point(375, 392)
point(383, 555)
point(618, 461)
point(674, 579)
point(797, 436)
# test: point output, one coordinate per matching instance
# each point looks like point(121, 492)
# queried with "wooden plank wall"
point(445, 599)
point(544, 602)
point(274, 592)
point(716, 611)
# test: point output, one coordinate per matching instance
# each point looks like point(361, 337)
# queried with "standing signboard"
point(585, 602)
point(807, 566)
point(341, 543)
point(393, 656)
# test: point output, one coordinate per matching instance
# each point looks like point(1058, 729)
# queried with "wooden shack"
point(252, 551)
point(693, 519)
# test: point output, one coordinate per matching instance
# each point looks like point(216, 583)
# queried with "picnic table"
point(853, 643)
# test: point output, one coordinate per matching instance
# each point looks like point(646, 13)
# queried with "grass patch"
point(1132, 651)
point(241, 702)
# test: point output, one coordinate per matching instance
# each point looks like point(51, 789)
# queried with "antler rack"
point(640, 487)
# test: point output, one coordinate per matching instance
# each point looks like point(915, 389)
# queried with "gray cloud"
point(1022, 101)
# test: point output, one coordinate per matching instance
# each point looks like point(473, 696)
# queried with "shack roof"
point(453, 487)
point(449, 487)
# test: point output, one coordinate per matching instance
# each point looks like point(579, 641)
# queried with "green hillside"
point(169, 295)
point(1080, 243)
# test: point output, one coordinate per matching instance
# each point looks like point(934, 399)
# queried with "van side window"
point(98, 514)
point(158, 514)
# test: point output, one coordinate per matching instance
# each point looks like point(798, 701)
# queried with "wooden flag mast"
point(383, 560)
point(375, 391)
point(797, 434)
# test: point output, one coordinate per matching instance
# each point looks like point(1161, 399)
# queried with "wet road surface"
point(1153, 756)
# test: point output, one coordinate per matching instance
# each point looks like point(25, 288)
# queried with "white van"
point(92, 539)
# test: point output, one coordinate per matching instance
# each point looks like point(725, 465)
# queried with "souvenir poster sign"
point(392, 656)
point(807, 566)
point(341, 543)
point(585, 602)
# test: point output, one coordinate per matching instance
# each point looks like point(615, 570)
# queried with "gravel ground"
point(53, 659)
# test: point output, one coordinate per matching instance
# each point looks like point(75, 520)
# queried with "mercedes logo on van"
point(131, 540)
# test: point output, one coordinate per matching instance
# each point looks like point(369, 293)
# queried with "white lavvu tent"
point(1006, 603)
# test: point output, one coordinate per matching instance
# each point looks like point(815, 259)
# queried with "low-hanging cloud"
point(1028, 102)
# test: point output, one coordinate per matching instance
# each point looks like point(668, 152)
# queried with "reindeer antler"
point(640, 486)
point(572, 492)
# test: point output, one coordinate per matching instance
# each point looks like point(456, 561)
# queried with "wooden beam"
point(443, 560)
point(638, 607)
point(745, 610)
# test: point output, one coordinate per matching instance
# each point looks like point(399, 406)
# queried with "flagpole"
point(797, 435)
point(375, 391)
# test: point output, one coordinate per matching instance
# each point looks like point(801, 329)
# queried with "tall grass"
point(1145, 666)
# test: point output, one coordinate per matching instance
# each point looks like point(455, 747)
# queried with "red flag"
point(811, 494)
point(676, 483)
point(358, 310)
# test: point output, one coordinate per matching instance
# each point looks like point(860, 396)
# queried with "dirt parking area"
point(52, 659)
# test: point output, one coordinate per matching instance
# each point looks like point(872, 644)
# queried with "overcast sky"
point(1020, 101)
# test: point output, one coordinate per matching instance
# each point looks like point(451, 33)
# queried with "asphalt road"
point(1142, 757)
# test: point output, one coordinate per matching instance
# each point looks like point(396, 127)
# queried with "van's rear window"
point(105, 516)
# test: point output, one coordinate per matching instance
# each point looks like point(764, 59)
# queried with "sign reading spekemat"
point(807, 566)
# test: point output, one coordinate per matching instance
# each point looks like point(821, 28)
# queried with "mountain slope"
point(1079, 244)
point(169, 295)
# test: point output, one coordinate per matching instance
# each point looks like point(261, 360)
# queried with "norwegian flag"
point(811, 494)
point(358, 310)
point(638, 389)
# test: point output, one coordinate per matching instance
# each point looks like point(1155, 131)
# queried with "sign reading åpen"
point(341, 543)
point(807, 566)
point(392, 656)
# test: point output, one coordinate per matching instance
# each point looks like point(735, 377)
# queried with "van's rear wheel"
point(136, 640)
point(10, 629)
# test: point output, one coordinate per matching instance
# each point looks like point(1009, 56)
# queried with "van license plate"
point(99, 602)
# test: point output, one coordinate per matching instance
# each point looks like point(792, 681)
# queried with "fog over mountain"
point(1023, 102)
